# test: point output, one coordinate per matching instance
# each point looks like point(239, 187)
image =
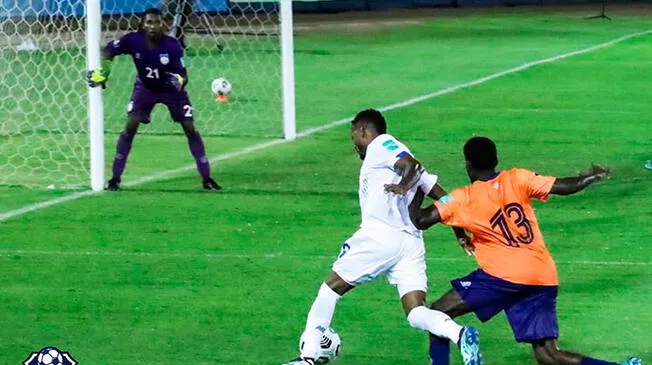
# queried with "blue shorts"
point(530, 309)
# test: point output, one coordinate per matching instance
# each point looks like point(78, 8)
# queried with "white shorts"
point(399, 255)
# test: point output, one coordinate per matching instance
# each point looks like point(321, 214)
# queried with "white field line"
point(277, 255)
point(165, 174)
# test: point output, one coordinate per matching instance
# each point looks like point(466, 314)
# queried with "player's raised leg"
point(408, 274)
point(320, 317)
point(547, 353)
point(452, 305)
point(442, 326)
point(539, 307)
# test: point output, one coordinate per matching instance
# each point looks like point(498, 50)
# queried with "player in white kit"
point(386, 243)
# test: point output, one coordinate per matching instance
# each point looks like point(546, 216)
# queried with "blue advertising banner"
point(9, 8)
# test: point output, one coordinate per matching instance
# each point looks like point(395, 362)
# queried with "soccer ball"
point(221, 86)
point(329, 346)
point(50, 356)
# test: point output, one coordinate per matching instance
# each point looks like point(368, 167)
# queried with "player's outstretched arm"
point(410, 171)
point(423, 218)
point(571, 185)
point(462, 237)
point(437, 192)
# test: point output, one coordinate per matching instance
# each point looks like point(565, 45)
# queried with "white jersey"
point(377, 206)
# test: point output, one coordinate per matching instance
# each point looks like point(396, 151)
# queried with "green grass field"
point(164, 273)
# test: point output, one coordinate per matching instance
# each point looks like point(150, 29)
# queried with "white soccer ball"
point(50, 356)
point(221, 86)
point(329, 346)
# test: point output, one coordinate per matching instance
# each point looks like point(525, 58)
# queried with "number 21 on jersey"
point(152, 73)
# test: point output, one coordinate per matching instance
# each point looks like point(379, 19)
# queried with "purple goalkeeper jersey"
point(153, 64)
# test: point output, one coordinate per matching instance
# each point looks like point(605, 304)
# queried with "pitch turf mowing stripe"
point(166, 174)
point(278, 255)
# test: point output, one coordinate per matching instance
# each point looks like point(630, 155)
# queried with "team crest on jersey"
point(137, 55)
point(50, 356)
point(165, 58)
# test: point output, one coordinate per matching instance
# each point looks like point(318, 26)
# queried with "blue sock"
point(440, 351)
point(592, 361)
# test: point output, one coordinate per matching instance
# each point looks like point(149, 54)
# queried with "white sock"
point(436, 322)
point(319, 319)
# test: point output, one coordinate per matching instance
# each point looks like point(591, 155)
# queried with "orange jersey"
point(506, 235)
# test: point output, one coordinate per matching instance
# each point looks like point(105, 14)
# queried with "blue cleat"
point(648, 165)
point(470, 346)
point(633, 360)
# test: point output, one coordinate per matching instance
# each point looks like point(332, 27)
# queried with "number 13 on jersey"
point(515, 213)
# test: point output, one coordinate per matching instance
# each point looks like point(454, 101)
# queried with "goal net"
point(44, 137)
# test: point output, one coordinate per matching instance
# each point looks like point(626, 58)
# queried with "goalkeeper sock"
point(198, 151)
point(121, 154)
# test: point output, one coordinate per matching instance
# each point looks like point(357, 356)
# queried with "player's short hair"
point(153, 11)
point(481, 153)
point(373, 117)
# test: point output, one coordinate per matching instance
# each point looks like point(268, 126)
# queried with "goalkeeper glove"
point(177, 81)
point(97, 77)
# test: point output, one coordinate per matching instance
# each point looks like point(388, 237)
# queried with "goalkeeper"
point(161, 79)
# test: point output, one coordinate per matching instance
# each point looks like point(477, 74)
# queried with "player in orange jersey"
point(517, 273)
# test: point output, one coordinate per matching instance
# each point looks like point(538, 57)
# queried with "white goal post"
point(287, 60)
point(54, 129)
point(95, 106)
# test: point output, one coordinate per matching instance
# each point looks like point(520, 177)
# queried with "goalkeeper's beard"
point(155, 37)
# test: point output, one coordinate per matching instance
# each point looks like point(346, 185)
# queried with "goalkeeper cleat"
point(300, 361)
point(114, 184)
point(470, 346)
point(221, 98)
point(210, 184)
point(633, 361)
point(648, 165)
